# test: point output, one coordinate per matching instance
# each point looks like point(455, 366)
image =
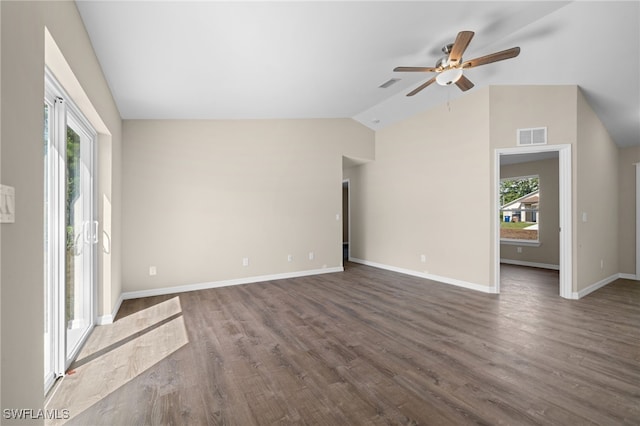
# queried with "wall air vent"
point(533, 136)
point(388, 83)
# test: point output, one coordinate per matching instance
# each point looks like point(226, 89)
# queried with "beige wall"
point(553, 107)
point(427, 193)
point(627, 157)
point(403, 203)
point(548, 251)
point(597, 196)
point(518, 107)
point(23, 61)
point(199, 196)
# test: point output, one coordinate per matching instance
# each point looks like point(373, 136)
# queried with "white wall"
point(22, 164)
point(199, 196)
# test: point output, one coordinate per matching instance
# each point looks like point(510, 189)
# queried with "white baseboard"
point(530, 264)
point(109, 318)
point(226, 283)
point(629, 277)
point(593, 287)
point(445, 280)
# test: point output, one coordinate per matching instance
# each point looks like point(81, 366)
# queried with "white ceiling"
point(229, 60)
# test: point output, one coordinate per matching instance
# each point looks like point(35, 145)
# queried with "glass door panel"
point(79, 238)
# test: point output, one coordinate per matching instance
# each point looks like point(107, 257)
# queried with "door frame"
point(55, 278)
point(637, 221)
point(565, 212)
point(348, 218)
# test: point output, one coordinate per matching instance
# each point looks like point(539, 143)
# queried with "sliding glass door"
point(81, 232)
point(70, 231)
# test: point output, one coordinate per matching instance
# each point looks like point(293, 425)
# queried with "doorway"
point(637, 221)
point(564, 204)
point(346, 220)
point(71, 230)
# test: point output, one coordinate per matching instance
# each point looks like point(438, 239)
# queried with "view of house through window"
point(519, 204)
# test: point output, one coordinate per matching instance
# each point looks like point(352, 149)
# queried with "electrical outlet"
point(311, 255)
point(245, 261)
point(423, 258)
point(153, 271)
point(519, 249)
point(289, 258)
point(601, 263)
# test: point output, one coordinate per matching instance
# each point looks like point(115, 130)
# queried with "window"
point(519, 209)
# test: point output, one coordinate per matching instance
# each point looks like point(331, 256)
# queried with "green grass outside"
point(514, 225)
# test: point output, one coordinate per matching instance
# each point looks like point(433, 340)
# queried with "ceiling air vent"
point(534, 136)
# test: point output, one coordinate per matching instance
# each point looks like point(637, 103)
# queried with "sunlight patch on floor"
point(124, 356)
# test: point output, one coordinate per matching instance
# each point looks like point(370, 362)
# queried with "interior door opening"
point(563, 153)
point(346, 218)
point(637, 221)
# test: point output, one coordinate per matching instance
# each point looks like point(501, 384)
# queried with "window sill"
point(527, 243)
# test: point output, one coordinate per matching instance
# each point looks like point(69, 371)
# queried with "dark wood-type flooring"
point(369, 346)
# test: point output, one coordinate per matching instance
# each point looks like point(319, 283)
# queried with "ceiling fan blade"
point(459, 46)
point(414, 69)
point(464, 83)
point(494, 57)
point(422, 86)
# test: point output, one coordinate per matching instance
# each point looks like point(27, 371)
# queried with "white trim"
point(637, 219)
point(438, 278)
point(593, 287)
point(225, 283)
point(495, 219)
point(109, 318)
point(530, 264)
point(629, 276)
point(566, 220)
point(565, 212)
point(514, 242)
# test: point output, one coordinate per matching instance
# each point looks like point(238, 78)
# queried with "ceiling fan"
point(450, 68)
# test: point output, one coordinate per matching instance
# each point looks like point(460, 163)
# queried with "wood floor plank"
point(368, 347)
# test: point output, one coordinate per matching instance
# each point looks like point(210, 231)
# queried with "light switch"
point(584, 216)
point(7, 204)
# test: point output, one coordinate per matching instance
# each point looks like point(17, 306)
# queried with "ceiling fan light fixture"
point(449, 76)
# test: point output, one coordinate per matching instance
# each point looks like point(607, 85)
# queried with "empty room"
point(320, 213)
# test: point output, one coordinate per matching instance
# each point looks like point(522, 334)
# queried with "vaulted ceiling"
point(327, 59)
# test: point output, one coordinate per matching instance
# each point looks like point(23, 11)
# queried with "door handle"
point(94, 232)
point(90, 231)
